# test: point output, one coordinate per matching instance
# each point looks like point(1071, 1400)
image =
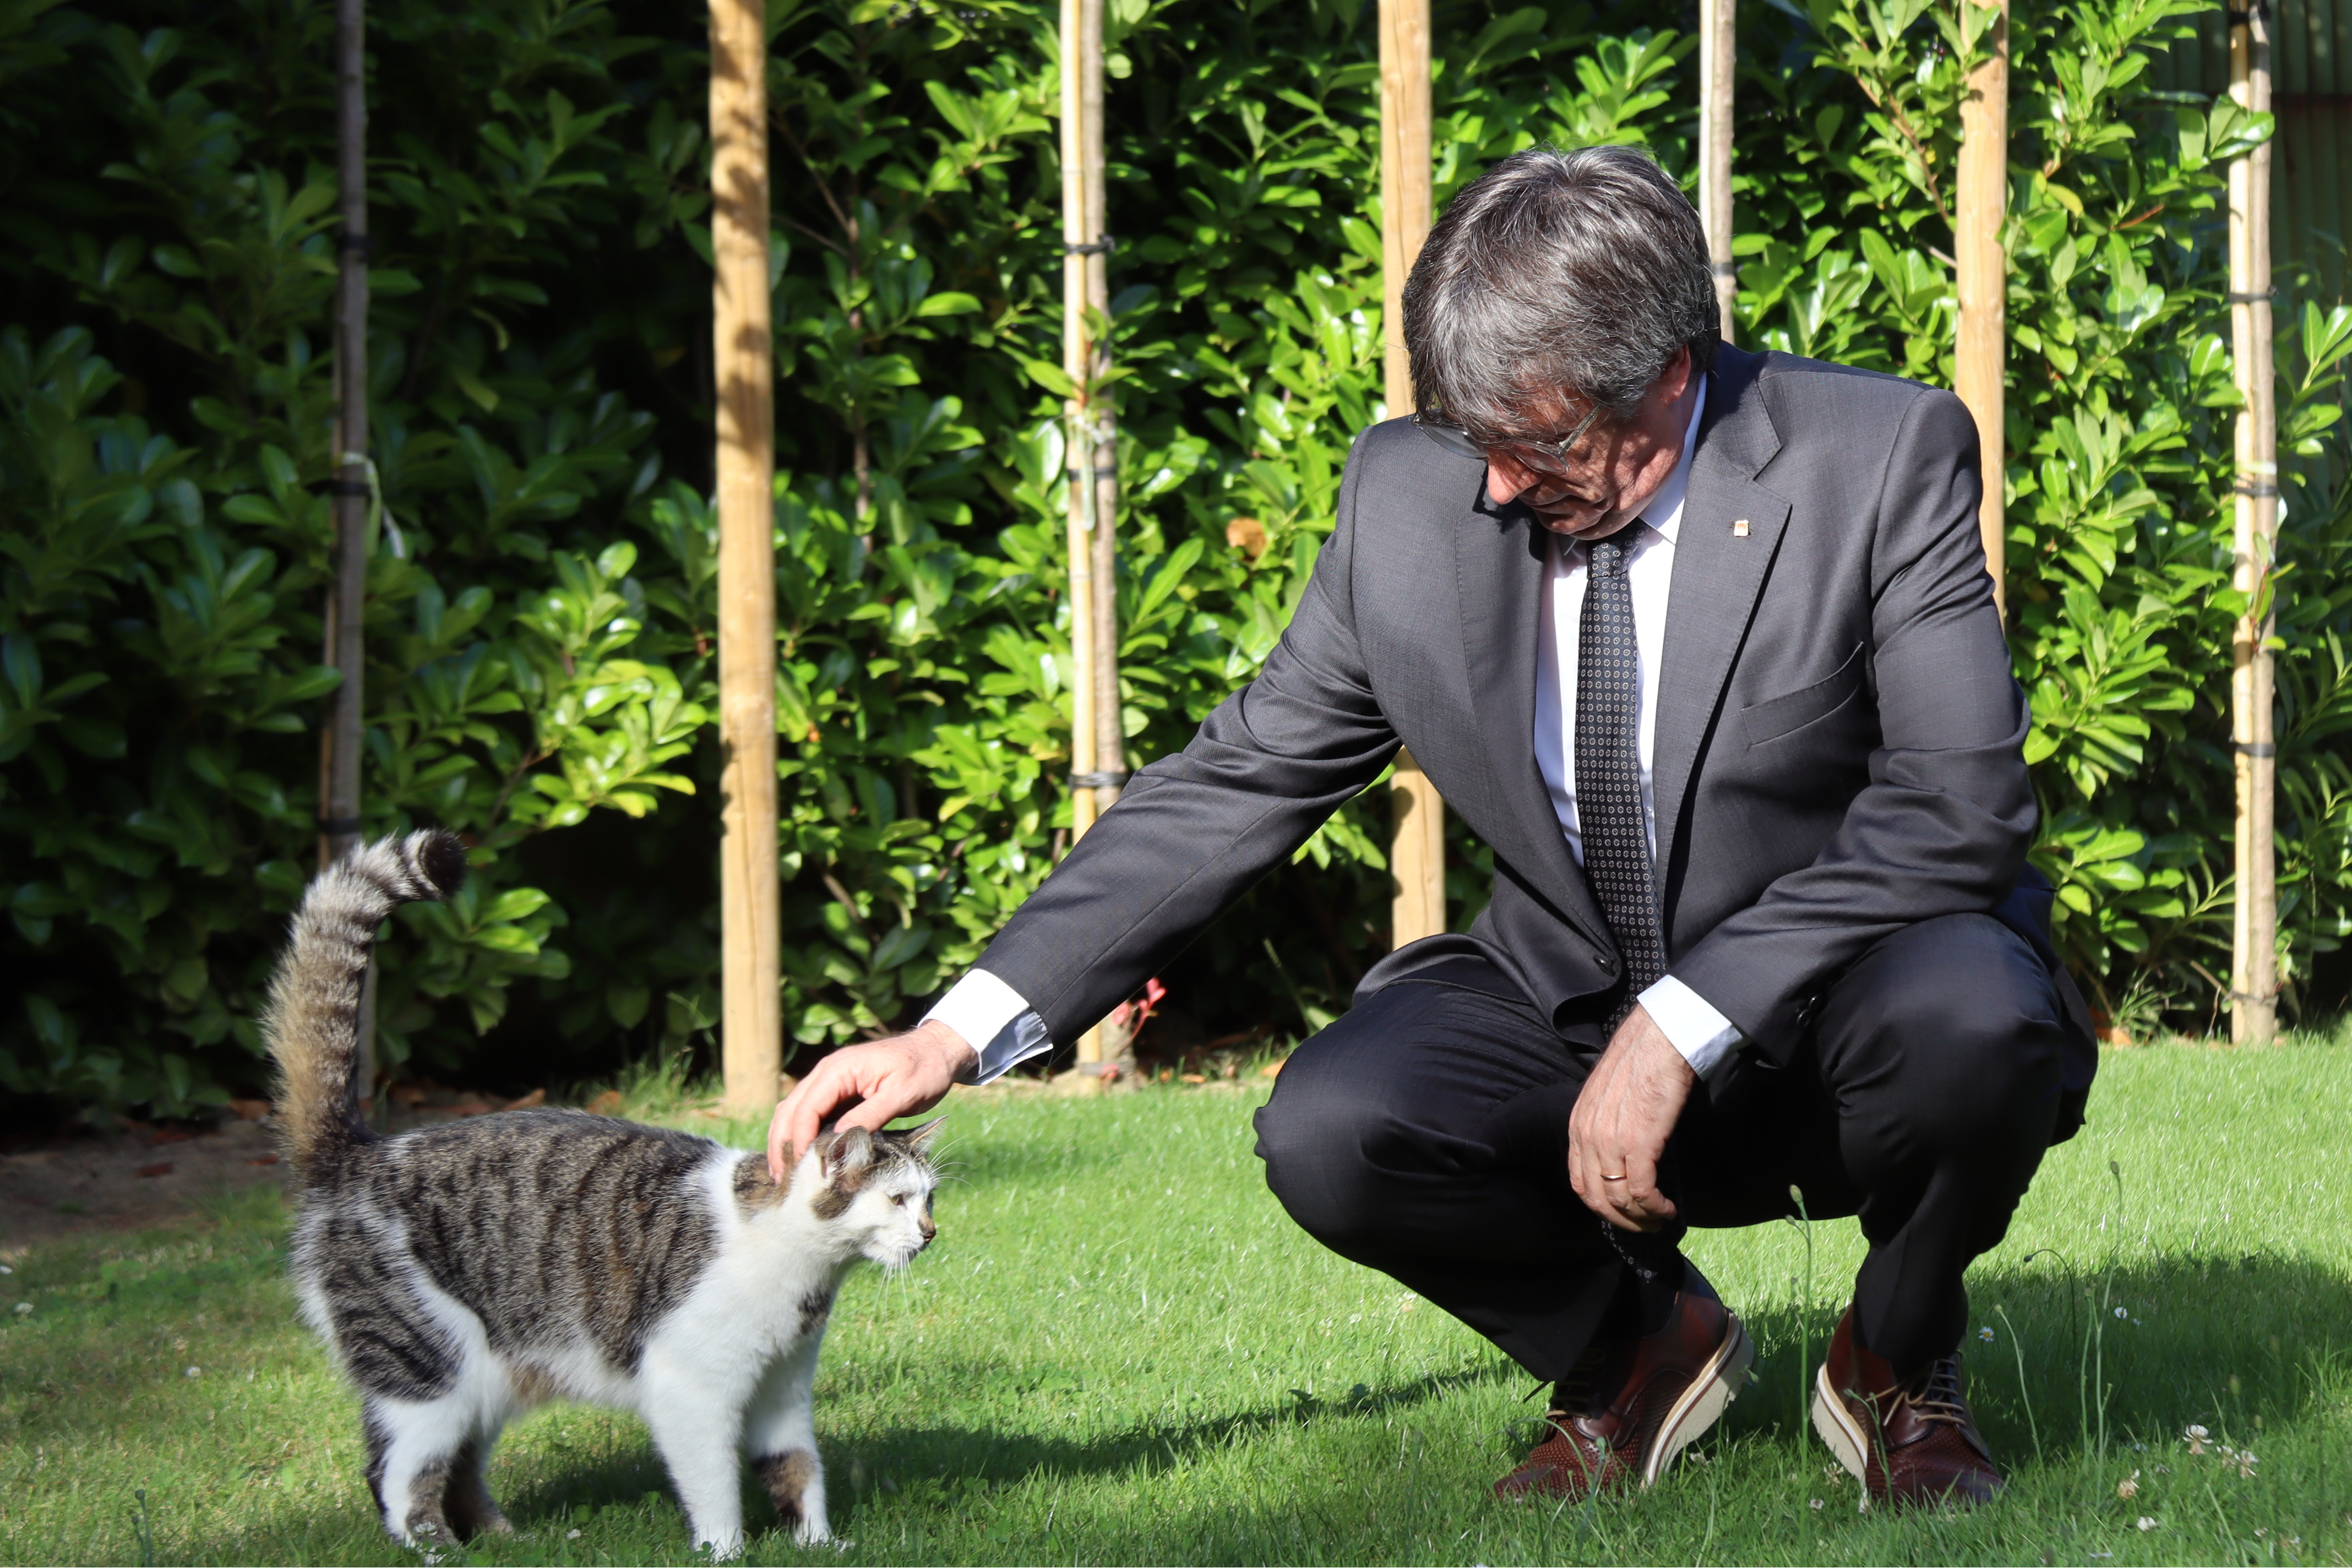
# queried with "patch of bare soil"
point(133, 1176)
point(138, 1174)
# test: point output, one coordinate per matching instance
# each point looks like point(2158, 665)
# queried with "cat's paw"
point(724, 1549)
point(808, 1535)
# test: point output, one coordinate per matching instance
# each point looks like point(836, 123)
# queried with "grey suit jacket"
point(1838, 751)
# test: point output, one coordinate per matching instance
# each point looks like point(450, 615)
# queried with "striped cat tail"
point(314, 998)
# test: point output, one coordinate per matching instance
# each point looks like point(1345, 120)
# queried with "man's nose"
point(1506, 481)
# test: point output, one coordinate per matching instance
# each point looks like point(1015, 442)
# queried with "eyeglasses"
point(1542, 456)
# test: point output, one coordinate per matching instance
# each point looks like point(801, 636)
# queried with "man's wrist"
point(1703, 1035)
point(962, 1057)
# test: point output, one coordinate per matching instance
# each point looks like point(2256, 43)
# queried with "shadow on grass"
point(917, 1463)
point(2217, 1341)
point(2213, 1340)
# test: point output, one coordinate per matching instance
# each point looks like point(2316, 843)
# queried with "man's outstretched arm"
point(1190, 833)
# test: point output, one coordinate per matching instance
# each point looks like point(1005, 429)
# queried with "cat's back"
point(547, 1225)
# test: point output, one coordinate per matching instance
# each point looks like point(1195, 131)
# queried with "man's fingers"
point(805, 1109)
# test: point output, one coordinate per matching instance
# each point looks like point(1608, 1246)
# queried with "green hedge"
point(541, 602)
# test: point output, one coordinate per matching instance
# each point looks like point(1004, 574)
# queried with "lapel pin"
point(1739, 528)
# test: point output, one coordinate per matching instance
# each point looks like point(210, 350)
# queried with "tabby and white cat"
point(467, 1272)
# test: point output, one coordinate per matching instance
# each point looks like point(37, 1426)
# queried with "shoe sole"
point(1701, 1404)
point(1838, 1427)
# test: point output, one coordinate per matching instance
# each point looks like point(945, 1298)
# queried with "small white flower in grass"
point(571, 1535)
point(1819, 1505)
point(2128, 1486)
point(1985, 1333)
point(193, 1372)
point(6, 1270)
point(2147, 1524)
point(23, 1307)
point(2121, 1313)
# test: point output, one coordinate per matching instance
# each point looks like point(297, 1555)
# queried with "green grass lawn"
point(1120, 1350)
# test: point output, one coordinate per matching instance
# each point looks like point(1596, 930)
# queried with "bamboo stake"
point(342, 743)
point(338, 801)
point(1102, 456)
point(1718, 31)
point(1981, 279)
point(2253, 969)
point(1417, 853)
point(743, 349)
point(1081, 245)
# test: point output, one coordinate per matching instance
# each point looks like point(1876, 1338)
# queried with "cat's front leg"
point(698, 1434)
point(780, 1432)
point(795, 1483)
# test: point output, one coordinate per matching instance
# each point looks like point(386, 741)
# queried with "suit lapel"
point(1500, 563)
point(1731, 528)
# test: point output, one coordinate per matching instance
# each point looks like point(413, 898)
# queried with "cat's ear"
point(917, 1140)
point(843, 1150)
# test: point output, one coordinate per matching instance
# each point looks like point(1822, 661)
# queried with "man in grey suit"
point(1702, 643)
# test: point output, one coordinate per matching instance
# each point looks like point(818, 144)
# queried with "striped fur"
point(465, 1273)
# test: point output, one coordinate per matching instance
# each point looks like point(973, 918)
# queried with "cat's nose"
point(927, 1228)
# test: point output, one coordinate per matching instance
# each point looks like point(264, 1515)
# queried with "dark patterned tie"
point(1609, 769)
point(1617, 854)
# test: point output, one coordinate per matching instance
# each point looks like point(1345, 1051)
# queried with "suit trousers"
point(1425, 1135)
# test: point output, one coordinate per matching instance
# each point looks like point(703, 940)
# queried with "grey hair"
point(1581, 272)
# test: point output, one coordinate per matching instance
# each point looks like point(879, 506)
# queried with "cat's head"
point(879, 1186)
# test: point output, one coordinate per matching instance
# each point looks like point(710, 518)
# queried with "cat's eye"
point(898, 1198)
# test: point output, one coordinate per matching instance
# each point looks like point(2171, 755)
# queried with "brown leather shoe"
point(1626, 1409)
point(1909, 1440)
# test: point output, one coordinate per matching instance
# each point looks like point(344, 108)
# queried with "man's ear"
point(1677, 376)
point(843, 1150)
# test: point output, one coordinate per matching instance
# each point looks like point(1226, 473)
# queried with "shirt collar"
point(1664, 513)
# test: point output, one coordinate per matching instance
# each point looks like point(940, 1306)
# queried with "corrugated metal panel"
point(2309, 172)
point(2311, 168)
point(2292, 34)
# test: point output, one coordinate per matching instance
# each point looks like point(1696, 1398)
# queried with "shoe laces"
point(1572, 1395)
point(1935, 1396)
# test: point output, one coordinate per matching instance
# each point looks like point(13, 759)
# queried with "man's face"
point(1612, 470)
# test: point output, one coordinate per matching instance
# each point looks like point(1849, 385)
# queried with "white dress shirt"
point(999, 1024)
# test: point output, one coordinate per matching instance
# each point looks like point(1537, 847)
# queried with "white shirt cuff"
point(1704, 1036)
point(995, 1020)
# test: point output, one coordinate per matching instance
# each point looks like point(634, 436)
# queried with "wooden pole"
point(1981, 281)
point(2253, 969)
point(743, 349)
point(1082, 245)
point(343, 743)
point(338, 800)
point(1102, 457)
point(1717, 43)
point(1417, 853)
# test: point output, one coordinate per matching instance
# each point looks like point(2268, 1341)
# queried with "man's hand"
point(1622, 1117)
point(882, 1081)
